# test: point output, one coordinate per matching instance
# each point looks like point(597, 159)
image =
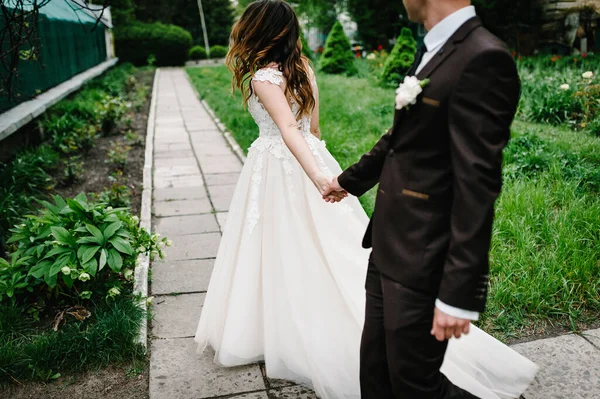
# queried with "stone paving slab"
point(178, 170)
point(220, 165)
point(177, 316)
point(195, 246)
point(594, 337)
point(183, 276)
point(178, 181)
point(174, 154)
point(181, 193)
point(295, 392)
point(177, 372)
point(184, 225)
point(182, 207)
point(221, 179)
point(254, 395)
point(568, 364)
point(212, 150)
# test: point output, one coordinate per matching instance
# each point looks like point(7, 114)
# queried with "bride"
point(287, 286)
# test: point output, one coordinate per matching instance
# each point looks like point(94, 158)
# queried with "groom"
point(439, 174)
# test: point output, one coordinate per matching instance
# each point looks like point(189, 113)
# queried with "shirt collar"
point(440, 33)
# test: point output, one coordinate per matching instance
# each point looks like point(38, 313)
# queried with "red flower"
point(584, 55)
point(520, 57)
point(553, 59)
point(558, 56)
point(379, 48)
point(514, 53)
point(358, 54)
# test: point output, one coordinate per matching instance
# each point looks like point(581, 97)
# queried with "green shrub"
point(197, 53)
point(305, 47)
point(117, 196)
point(74, 248)
point(337, 57)
point(73, 170)
point(218, 51)
point(555, 91)
point(169, 44)
point(117, 155)
point(400, 59)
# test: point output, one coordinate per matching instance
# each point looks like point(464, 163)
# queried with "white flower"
point(136, 219)
point(114, 291)
point(371, 56)
point(169, 243)
point(565, 86)
point(84, 277)
point(128, 273)
point(588, 75)
point(149, 300)
point(407, 92)
point(66, 270)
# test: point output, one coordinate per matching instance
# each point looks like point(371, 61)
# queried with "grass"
point(545, 256)
point(109, 336)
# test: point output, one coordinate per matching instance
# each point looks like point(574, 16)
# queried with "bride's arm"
point(273, 99)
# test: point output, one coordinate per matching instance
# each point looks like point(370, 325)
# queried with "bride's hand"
point(325, 185)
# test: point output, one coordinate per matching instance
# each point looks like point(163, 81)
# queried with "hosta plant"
point(76, 248)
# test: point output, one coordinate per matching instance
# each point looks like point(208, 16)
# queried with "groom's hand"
point(335, 192)
point(446, 326)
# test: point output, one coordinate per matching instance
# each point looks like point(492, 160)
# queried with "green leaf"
point(51, 280)
point(74, 206)
point(40, 269)
point(89, 240)
point(87, 252)
point(56, 251)
point(68, 280)
point(62, 235)
point(121, 245)
point(95, 232)
point(59, 264)
point(111, 230)
point(102, 258)
point(115, 260)
point(91, 267)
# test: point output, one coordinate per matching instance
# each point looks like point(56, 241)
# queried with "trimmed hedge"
point(138, 42)
point(218, 51)
point(401, 58)
point(337, 56)
point(197, 53)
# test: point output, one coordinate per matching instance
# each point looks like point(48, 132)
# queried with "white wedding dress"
point(288, 282)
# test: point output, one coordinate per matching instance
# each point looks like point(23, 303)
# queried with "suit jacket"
point(439, 171)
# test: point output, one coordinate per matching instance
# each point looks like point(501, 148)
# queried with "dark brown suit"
point(439, 174)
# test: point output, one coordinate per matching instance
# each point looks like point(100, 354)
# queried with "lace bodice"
point(266, 125)
point(270, 144)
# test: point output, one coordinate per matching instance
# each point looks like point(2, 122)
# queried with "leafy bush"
point(559, 90)
point(117, 155)
point(218, 51)
point(110, 110)
point(75, 248)
point(337, 57)
point(22, 181)
point(400, 59)
point(197, 53)
point(73, 170)
point(68, 133)
point(169, 44)
point(305, 47)
point(117, 196)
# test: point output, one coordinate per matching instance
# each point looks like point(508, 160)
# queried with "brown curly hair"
point(269, 33)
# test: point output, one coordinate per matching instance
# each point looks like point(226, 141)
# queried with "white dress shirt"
point(434, 41)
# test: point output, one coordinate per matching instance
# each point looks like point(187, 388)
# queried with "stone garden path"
point(195, 172)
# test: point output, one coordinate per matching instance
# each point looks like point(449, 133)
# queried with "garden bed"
point(545, 256)
point(94, 145)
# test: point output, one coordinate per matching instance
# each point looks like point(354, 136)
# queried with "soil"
point(110, 383)
point(114, 382)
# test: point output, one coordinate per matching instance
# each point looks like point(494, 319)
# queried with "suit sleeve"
point(481, 110)
point(364, 175)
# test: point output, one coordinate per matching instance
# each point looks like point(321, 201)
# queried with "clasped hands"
point(330, 189)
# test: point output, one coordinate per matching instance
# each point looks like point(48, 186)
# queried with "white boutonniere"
point(408, 91)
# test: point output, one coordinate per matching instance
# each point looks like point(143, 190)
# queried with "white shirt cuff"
point(456, 312)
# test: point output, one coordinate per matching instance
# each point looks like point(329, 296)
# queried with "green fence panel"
point(70, 43)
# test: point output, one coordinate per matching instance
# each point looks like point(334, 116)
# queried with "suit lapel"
point(447, 49)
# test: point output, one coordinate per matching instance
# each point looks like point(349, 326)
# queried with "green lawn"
point(546, 247)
